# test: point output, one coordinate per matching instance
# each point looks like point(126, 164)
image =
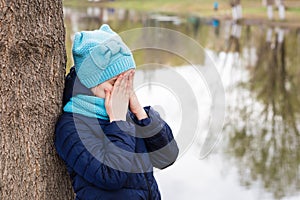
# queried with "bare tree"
point(32, 68)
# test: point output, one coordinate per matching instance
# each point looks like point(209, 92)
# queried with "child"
point(109, 143)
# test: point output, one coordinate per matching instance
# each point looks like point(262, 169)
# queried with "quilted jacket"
point(113, 161)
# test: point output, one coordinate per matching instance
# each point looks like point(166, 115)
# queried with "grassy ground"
point(252, 9)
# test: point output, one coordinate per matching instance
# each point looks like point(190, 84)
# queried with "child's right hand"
point(117, 101)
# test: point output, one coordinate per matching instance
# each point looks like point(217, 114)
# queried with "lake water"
point(256, 155)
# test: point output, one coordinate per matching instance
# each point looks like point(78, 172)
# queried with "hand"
point(116, 101)
point(134, 104)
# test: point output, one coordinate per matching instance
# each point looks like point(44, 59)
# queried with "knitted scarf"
point(89, 106)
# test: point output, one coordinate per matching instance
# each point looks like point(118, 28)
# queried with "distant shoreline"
point(253, 12)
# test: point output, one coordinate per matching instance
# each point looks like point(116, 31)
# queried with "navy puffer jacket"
point(113, 161)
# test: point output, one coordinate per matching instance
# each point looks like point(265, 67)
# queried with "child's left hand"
point(134, 104)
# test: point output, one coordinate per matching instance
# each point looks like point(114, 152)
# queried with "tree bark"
point(32, 68)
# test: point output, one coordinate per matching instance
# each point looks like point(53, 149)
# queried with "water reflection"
point(260, 69)
point(264, 133)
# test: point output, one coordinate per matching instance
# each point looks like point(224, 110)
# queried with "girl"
point(109, 143)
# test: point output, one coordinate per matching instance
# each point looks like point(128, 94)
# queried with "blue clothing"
point(86, 105)
point(91, 150)
point(216, 5)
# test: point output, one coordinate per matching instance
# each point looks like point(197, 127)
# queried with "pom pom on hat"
point(100, 55)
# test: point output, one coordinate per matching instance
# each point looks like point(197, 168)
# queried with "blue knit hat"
point(100, 55)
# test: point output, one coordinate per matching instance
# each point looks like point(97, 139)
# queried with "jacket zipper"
point(147, 182)
point(148, 186)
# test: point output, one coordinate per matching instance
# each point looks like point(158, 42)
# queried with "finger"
point(128, 88)
point(123, 82)
point(131, 82)
point(133, 72)
point(131, 75)
point(107, 98)
point(117, 84)
point(126, 73)
point(118, 81)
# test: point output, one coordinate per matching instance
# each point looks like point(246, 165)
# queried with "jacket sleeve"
point(158, 137)
point(98, 164)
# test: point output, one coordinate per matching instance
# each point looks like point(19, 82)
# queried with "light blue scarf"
point(89, 106)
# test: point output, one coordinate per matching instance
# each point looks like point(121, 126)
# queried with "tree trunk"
point(32, 68)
